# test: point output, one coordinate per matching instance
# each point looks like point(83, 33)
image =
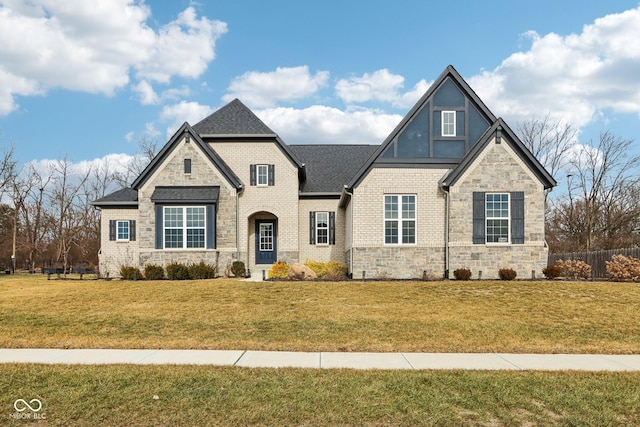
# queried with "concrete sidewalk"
point(327, 360)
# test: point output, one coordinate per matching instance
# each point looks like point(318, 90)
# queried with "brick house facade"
point(451, 187)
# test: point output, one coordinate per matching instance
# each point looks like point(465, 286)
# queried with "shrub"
point(177, 271)
point(153, 272)
point(575, 268)
point(130, 273)
point(202, 271)
point(462, 274)
point(237, 268)
point(279, 270)
point(552, 271)
point(331, 270)
point(623, 268)
point(507, 273)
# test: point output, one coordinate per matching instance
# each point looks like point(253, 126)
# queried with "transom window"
point(122, 231)
point(184, 227)
point(263, 174)
point(448, 123)
point(322, 228)
point(497, 217)
point(399, 219)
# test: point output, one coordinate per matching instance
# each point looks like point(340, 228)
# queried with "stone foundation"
point(398, 262)
point(489, 259)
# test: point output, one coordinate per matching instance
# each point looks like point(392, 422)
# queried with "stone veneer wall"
point(113, 254)
point(497, 169)
point(321, 253)
point(370, 254)
point(171, 173)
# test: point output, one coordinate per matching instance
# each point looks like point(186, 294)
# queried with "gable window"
point(122, 230)
point(448, 123)
point(497, 217)
point(400, 219)
point(184, 227)
point(262, 175)
point(187, 166)
point(322, 228)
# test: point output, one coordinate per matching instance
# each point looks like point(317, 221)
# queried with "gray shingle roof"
point(204, 194)
point(123, 197)
point(329, 167)
point(232, 119)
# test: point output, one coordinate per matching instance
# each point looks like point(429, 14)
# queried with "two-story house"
point(451, 187)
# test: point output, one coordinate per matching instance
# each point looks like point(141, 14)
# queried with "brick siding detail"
point(321, 253)
point(115, 255)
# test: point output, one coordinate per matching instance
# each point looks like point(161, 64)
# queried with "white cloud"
point(574, 78)
point(262, 90)
point(146, 93)
point(320, 124)
point(93, 46)
point(381, 85)
point(181, 112)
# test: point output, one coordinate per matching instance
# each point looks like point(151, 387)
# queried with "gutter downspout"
point(446, 231)
point(350, 237)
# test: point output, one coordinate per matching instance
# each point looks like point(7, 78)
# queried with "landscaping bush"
point(177, 271)
point(623, 268)
point(202, 271)
point(507, 274)
point(575, 269)
point(237, 268)
point(130, 273)
point(462, 274)
point(279, 270)
point(331, 270)
point(153, 272)
point(552, 271)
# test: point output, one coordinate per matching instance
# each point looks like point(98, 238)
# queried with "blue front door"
point(266, 248)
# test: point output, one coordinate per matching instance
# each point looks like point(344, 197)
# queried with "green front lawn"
point(473, 316)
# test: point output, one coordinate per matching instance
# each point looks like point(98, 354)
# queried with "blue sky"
point(87, 80)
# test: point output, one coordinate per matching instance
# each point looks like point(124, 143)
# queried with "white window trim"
point(443, 114)
point(400, 220)
point(184, 229)
point(266, 175)
point(118, 239)
point(487, 218)
point(322, 228)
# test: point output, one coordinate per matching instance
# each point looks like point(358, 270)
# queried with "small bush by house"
point(177, 271)
point(552, 271)
point(507, 274)
point(622, 268)
point(153, 272)
point(331, 270)
point(575, 269)
point(237, 268)
point(130, 273)
point(279, 270)
point(202, 270)
point(462, 274)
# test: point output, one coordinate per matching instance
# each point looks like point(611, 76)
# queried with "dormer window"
point(448, 123)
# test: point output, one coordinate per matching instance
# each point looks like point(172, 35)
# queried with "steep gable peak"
point(236, 119)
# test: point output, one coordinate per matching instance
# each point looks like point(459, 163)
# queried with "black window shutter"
point(479, 231)
point(517, 217)
point(332, 228)
point(112, 229)
point(132, 230)
point(312, 228)
point(272, 175)
point(159, 226)
point(211, 227)
point(252, 174)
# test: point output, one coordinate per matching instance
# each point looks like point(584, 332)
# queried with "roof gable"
point(415, 141)
point(187, 131)
point(502, 134)
point(232, 119)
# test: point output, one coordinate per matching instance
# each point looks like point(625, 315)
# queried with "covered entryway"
point(266, 241)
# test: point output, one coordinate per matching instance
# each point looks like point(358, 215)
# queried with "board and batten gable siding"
point(279, 199)
point(370, 253)
point(498, 169)
point(114, 254)
point(203, 173)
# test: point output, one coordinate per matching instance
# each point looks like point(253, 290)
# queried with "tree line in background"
point(45, 215)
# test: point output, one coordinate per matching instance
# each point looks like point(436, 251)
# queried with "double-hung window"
point(322, 228)
point(497, 217)
point(263, 175)
point(448, 123)
point(184, 227)
point(400, 219)
point(122, 231)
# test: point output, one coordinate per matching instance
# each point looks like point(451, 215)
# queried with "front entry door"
point(265, 242)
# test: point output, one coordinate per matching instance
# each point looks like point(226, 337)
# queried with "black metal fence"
point(595, 259)
point(23, 264)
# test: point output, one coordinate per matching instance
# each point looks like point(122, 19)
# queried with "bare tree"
point(147, 150)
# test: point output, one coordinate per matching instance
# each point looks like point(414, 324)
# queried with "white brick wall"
point(113, 254)
point(321, 253)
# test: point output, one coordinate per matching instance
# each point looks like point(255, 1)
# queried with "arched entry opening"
point(262, 239)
